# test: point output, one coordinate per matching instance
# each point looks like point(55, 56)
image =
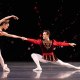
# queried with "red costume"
point(47, 47)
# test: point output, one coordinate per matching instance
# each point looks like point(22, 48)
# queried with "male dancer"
point(4, 24)
point(48, 55)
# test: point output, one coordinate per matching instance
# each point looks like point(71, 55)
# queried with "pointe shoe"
point(5, 68)
point(38, 74)
point(37, 69)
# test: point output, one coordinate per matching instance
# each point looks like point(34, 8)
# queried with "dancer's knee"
point(33, 55)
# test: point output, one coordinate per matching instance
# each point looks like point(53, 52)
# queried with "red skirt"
point(50, 56)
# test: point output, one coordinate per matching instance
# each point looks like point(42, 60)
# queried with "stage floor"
point(23, 71)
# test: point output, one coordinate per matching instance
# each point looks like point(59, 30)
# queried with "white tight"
point(37, 58)
point(1, 60)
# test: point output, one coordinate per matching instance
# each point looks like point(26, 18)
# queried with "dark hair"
point(47, 31)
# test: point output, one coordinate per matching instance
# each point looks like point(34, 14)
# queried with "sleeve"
point(34, 41)
point(56, 43)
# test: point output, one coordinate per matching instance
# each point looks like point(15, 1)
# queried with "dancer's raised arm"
point(8, 17)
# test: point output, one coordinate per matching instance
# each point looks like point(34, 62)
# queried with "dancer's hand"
point(23, 38)
point(15, 17)
point(72, 44)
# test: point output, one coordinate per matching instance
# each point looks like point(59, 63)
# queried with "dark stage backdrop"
point(61, 17)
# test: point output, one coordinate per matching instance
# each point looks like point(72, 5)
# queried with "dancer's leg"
point(59, 62)
point(4, 66)
point(37, 58)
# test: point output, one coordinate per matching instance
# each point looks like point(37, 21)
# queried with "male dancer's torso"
point(47, 50)
point(47, 47)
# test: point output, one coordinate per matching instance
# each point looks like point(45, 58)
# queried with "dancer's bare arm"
point(8, 17)
point(8, 35)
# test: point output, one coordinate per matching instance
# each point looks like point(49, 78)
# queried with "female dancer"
point(4, 24)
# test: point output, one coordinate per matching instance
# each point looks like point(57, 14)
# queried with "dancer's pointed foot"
point(5, 68)
point(37, 69)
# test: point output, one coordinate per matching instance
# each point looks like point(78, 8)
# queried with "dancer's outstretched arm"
point(58, 43)
point(8, 35)
point(34, 41)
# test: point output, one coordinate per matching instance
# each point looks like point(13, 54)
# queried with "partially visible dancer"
point(4, 24)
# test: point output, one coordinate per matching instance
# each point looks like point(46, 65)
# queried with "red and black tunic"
point(47, 47)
